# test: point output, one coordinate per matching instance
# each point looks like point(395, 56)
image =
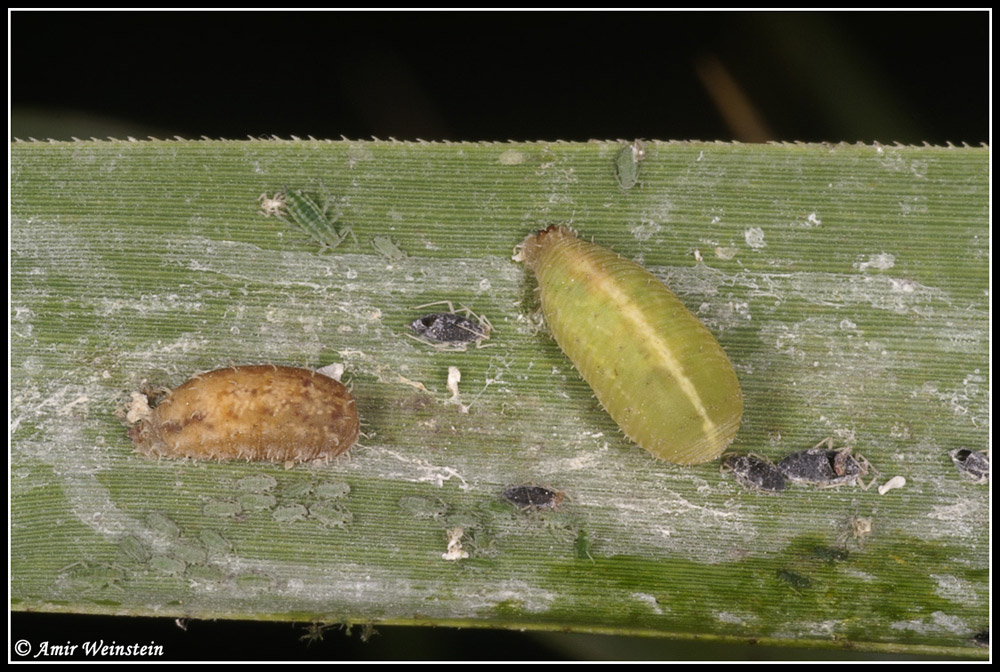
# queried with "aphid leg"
point(828, 441)
point(338, 237)
point(448, 347)
point(866, 468)
point(327, 199)
point(487, 328)
point(314, 632)
point(349, 229)
point(451, 306)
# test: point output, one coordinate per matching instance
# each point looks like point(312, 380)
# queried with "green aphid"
point(159, 522)
point(385, 246)
point(133, 549)
point(215, 542)
point(256, 483)
point(829, 555)
point(332, 490)
point(627, 164)
point(294, 206)
point(257, 501)
point(582, 546)
point(289, 513)
point(168, 565)
point(189, 553)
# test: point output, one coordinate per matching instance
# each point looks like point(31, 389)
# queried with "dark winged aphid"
point(532, 497)
point(981, 638)
point(824, 467)
point(973, 465)
point(830, 555)
point(793, 579)
point(754, 472)
point(449, 329)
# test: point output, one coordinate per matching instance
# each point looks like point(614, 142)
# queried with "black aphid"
point(972, 464)
point(824, 466)
point(449, 328)
point(532, 497)
point(981, 638)
point(754, 472)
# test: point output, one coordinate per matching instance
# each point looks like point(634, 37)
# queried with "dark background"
point(875, 76)
point(888, 77)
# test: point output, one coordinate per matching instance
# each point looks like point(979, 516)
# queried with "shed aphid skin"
point(826, 467)
point(654, 367)
point(271, 206)
point(754, 472)
point(971, 464)
point(532, 497)
point(453, 330)
point(294, 206)
point(627, 164)
point(454, 551)
point(892, 484)
point(255, 413)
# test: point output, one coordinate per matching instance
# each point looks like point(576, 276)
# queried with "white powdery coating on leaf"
point(755, 237)
point(939, 621)
point(881, 262)
point(955, 589)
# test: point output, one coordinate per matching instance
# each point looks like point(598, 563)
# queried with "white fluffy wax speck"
point(891, 484)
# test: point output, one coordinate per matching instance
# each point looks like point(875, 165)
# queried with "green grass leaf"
point(848, 284)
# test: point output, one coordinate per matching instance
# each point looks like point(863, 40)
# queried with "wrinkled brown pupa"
point(254, 413)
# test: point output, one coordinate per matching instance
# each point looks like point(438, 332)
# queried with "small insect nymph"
point(793, 579)
point(754, 472)
point(453, 330)
point(294, 206)
point(385, 246)
point(826, 467)
point(627, 164)
point(527, 497)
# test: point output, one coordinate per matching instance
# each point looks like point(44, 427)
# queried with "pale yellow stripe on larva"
point(655, 368)
point(650, 336)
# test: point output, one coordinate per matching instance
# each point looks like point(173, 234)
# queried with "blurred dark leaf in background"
point(909, 77)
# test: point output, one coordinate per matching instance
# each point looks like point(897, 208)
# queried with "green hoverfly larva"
point(654, 367)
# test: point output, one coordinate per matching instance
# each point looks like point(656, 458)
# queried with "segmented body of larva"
point(654, 367)
point(259, 413)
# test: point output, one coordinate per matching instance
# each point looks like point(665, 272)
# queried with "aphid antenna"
point(829, 444)
point(468, 312)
